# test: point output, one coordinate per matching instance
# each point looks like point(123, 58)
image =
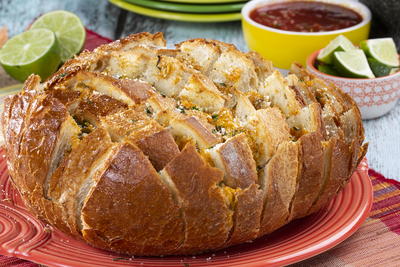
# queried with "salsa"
point(305, 16)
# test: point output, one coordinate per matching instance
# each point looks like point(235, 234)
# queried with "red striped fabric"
point(386, 206)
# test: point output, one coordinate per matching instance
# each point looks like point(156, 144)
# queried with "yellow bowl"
point(285, 47)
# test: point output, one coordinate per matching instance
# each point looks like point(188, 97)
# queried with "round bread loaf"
point(144, 150)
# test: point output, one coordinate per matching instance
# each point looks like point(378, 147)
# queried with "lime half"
point(353, 64)
point(35, 51)
point(340, 43)
point(383, 50)
point(68, 28)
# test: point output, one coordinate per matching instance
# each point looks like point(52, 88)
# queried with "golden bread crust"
point(279, 180)
point(208, 217)
point(131, 177)
point(144, 150)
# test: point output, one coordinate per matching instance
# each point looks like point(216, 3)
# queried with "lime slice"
point(394, 70)
point(328, 70)
point(340, 43)
point(378, 68)
point(352, 64)
point(383, 50)
point(35, 51)
point(68, 28)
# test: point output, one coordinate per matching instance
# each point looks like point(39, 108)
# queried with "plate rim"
point(205, 1)
point(177, 16)
point(361, 174)
point(182, 7)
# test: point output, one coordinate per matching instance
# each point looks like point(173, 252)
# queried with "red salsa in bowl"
point(305, 16)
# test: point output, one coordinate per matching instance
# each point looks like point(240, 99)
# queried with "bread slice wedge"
point(199, 53)
point(43, 114)
point(279, 182)
point(133, 180)
point(192, 128)
point(337, 163)
point(72, 173)
point(311, 178)
point(235, 158)
point(206, 209)
point(158, 145)
point(247, 215)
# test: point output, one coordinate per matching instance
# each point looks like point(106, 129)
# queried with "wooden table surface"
point(383, 134)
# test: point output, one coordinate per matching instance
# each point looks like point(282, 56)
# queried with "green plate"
point(203, 1)
point(191, 17)
point(189, 8)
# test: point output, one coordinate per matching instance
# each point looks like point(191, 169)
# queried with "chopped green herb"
point(181, 108)
point(62, 75)
point(86, 130)
point(148, 111)
point(218, 129)
point(195, 108)
point(236, 132)
point(214, 116)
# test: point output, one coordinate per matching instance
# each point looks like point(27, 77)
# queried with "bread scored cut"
point(144, 150)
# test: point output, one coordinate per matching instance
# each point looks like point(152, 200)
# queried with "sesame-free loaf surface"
point(144, 150)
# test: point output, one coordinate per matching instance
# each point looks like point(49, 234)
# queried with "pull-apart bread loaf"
point(144, 150)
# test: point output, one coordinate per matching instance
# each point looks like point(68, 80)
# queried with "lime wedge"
point(394, 70)
point(378, 68)
point(328, 69)
point(352, 64)
point(340, 43)
point(35, 51)
point(68, 28)
point(383, 50)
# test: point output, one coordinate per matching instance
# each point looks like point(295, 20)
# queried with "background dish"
point(192, 17)
point(24, 236)
point(192, 8)
point(285, 47)
point(375, 97)
point(204, 1)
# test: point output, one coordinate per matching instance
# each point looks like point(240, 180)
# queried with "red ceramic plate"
point(24, 236)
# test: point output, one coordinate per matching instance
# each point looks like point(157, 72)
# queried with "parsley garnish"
point(62, 75)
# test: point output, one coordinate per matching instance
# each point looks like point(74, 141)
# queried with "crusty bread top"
point(141, 149)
